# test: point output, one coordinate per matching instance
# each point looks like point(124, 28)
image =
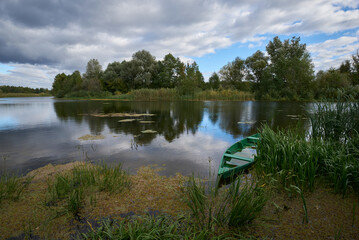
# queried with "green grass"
point(291, 158)
point(12, 186)
point(147, 227)
point(338, 121)
point(84, 180)
point(235, 206)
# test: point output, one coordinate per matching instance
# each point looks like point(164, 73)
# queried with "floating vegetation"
point(91, 137)
point(122, 115)
point(127, 120)
point(147, 121)
point(148, 131)
point(248, 122)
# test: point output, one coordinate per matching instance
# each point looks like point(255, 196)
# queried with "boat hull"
point(238, 157)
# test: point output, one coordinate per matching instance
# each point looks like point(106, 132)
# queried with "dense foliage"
point(13, 89)
point(285, 72)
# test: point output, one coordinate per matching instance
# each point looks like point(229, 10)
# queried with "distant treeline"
point(285, 72)
point(13, 89)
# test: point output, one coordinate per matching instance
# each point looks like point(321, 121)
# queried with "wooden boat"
point(239, 156)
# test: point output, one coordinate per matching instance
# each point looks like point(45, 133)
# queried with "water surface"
point(190, 137)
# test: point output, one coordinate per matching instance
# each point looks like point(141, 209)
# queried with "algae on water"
point(127, 120)
point(91, 137)
point(148, 131)
point(147, 121)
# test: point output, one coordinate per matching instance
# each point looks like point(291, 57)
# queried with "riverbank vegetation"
point(11, 91)
point(284, 72)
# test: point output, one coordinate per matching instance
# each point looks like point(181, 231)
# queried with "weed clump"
point(12, 186)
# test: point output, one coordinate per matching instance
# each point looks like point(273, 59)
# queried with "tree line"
point(13, 89)
point(285, 71)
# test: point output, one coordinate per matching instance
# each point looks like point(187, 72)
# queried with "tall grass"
point(236, 206)
point(146, 94)
point(337, 121)
point(292, 159)
point(12, 186)
point(173, 94)
point(225, 94)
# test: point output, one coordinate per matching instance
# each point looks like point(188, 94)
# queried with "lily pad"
point(147, 121)
point(249, 122)
point(127, 120)
point(148, 131)
point(121, 114)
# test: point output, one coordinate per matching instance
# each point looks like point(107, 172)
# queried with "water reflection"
point(34, 131)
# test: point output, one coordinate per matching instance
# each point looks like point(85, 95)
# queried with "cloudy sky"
point(40, 38)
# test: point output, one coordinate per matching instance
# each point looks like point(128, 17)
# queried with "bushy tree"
point(329, 82)
point(111, 79)
point(145, 69)
point(170, 71)
point(354, 70)
point(214, 81)
point(258, 72)
point(193, 80)
point(232, 74)
point(92, 76)
point(291, 67)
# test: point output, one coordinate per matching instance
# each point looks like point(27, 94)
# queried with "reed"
point(289, 158)
point(298, 190)
point(225, 94)
point(146, 94)
point(236, 205)
point(337, 121)
point(292, 159)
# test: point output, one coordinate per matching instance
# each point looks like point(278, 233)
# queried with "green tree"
point(170, 71)
point(291, 67)
point(92, 76)
point(145, 68)
point(193, 80)
point(258, 73)
point(111, 80)
point(214, 81)
point(232, 74)
point(58, 86)
point(355, 69)
point(329, 82)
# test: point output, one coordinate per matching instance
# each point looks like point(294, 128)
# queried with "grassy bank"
point(85, 201)
point(6, 95)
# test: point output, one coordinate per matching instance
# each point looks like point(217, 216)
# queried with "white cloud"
point(332, 52)
point(66, 36)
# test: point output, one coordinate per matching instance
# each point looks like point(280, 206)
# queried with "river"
point(187, 137)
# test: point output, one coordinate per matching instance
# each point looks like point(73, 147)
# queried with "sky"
point(41, 38)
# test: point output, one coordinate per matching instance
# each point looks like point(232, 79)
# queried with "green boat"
point(239, 156)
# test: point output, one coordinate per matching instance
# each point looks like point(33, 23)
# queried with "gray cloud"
point(62, 34)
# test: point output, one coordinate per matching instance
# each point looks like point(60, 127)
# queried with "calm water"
point(190, 136)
